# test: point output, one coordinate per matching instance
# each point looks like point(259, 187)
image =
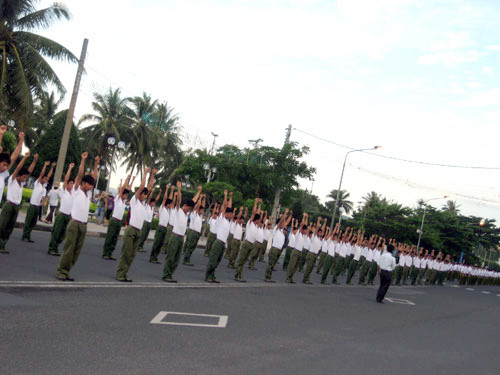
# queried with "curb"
point(43, 228)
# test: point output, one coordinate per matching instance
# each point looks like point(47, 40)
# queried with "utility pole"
point(213, 144)
point(277, 193)
point(69, 119)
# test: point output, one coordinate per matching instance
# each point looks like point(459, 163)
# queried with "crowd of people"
point(242, 237)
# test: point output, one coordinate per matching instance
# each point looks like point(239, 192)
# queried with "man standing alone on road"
point(387, 265)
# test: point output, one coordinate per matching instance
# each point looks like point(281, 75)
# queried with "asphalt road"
point(99, 326)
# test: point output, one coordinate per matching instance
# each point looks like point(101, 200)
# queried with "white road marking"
point(158, 319)
point(484, 292)
point(498, 295)
point(454, 286)
point(401, 301)
point(469, 289)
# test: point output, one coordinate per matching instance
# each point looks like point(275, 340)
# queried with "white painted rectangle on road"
point(484, 292)
point(401, 301)
point(454, 286)
point(469, 289)
point(159, 319)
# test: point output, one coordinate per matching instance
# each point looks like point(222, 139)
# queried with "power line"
point(398, 159)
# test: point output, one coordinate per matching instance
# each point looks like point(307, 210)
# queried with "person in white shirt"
point(297, 249)
point(64, 215)
point(291, 243)
point(232, 225)
point(10, 210)
point(175, 243)
point(132, 233)
point(7, 161)
point(365, 268)
point(195, 226)
point(357, 249)
point(53, 201)
point(163, 223)
point(248, 243)
point(212, 233)
point(258, 244)
point(146, 227)
point(305, 248)
point(341, 255)
point(267, 234)
point(223, 224)
point(36, 200)
point(278, 241)
point(314, 248)
point(377, 252)
point(77, 227)
point(237, 236)
point(115, 223)
point(387, 265)
point(332, 243)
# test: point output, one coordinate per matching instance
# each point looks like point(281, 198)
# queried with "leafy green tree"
point(49, 143)
point(25, 73)
point(343, 202)
point(451, 206)
point(9, 142)
point(45, 110)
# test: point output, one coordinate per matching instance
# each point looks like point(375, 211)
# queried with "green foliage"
point(48, 145)
point(215, 193)
point(26, 194)
point(9, 142)
point(93, 207)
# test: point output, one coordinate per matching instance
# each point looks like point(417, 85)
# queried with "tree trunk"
point(276, 204)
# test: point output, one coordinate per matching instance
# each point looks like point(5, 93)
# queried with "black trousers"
point(385, 281)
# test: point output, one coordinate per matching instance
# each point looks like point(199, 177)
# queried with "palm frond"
point(43, 18)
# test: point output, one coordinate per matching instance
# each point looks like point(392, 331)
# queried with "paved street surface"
point(99, 326)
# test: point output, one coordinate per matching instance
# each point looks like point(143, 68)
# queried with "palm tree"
point(343, 202)
point(25, 73)
point(144, 139)
point(451, 206)
point(112, 118)
point(43, 116)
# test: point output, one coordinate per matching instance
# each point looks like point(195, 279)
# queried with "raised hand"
point(35, 156)
point(3, 129)
point(85, 155)
point(21, 136)
point(46, 163)
point(199, 188)
point(72, 165)
point(179, 184)
point(97, 159)
point(155, 171)
point(53, 164)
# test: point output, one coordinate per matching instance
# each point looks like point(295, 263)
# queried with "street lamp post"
point(213, 143)
point(421, 230)
point(342, 176)
point(209, 171)
point(121, 146)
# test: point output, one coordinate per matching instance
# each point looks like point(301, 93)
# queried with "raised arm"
point(3, 129)
point(254, 210)
point(143, 183)
point(158, 196)
point(42, 173)
point(81, 170)
point(17, 151)
point(95, 172)
point(131, 183)
point(33, 164)
point(165, 196)
point(197, 196)
point(20, 165)
point(152, 179)
point(52, 166)
point(123, 186)
point(150, 195)
point(68, 175)
point(179, 194)
point(224, 204)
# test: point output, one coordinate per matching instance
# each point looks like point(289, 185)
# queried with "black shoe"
point(307, 282)
point(62, 278)
point(231, 267)
point(214, 280)
point(54, 253)
point(380, 301)
point(155, 261)
point(188, 264)
point(125, 280)
point(240, 280)
point(69, 278)
point(252, 268)
point(269, 281)
point(290, 281)
point(169, 280)
point(348, 283)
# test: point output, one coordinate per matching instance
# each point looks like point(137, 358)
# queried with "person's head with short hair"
point(319, 233)
point(168, 203)
point(125, 194)
point(87, 183)
point(303, 229)
point(144, 194)
point(70, 184)
point(187, 206)
point(23, 175)
point(390, 248)
point(4, 161)
point(229, 213)
point(256, 218)
point(152, 202)
point(44, 180)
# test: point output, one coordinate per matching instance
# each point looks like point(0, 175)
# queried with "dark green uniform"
point(75, 237)
point(256, 249)
point(210, 240)
point(310, 261)
point(293, 265)
point(131, 239)
point(286, 260)
point(160, 234)
point(246, 248)
point(58, 232)
point(30, 221)
point(273, 257)
point(170, 228)
point(214, 259)
point(146, 228)
point(327, 266)
point(174, 250)
point(8, 219)
point(190, 244)
point(339, 267)
point(235, 248)
point(112, 234)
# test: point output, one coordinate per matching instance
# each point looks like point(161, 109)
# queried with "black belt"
point(13, 204)
point(78, 221)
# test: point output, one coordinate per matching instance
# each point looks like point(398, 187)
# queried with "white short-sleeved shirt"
point(149, 213)
point(408, 260)
point(369, 255)
point(3, 176)
point(278, 238)
point(163, 216)
point(416, 262)
point(238, 232)
point(250, 232)
point(54, 197)
point(299, 241)
point(171, 219)
point(213, 225)
point(332, 245)
point(66, 201)
point(342, 251)
point(196, 222)
point(231, 227)
point(267, 234)
point(315, 244)
point(137, 213)
point(223, 225)
point(81, 205)
point(119, 208)
point(376, 255)
point(259, 234)
point(291, 240)
point(38, 193)
point(180, 222)
point(14, 191)
point(307, 242)
point(357, 252)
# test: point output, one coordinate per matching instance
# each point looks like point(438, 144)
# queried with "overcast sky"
point(419, 78)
